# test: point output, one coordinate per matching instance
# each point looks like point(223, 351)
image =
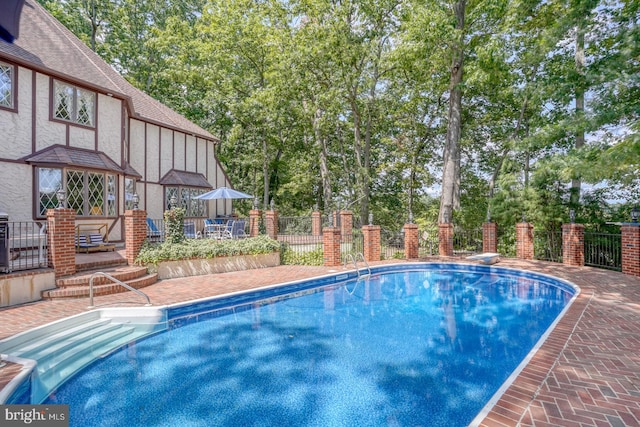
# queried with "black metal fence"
point(603, 250)
point(467, 241)
point(547, 245)
point(26, 246)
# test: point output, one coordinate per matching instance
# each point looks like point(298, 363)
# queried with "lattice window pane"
point(49, 182)
point(63, 101)
point(75, 191)
point(129, 191)
point(6, 85)
point(197, 206)
point(96, 193)
point(170, 193)
point(85, 102)
point(111, 195)
point(184, 200)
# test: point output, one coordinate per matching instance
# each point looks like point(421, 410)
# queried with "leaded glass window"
point(49, 182)
point(129, 191)
point(111, 195)
point(74, 104)
point(185, 198)
point(6, 85)
point(75, 191)
point(89, 193)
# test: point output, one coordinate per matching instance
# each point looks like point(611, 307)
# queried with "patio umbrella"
point(224, 193)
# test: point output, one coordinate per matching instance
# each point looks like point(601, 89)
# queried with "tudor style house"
point(68, 121)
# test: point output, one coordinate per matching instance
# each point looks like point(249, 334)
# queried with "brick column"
point(254, 222)
point(410, 241)
point(524, 240)
point(271, 224)
point(490, 237)
point(346, 225)
point(61, 229)
point(573, 244)
point(631, 249)
point(331, 245)
point(135, 233)
point(316, 224)
point(445, 239)
point(371, 235)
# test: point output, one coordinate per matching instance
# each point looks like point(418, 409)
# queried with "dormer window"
point(6, 85)
point(73, 104)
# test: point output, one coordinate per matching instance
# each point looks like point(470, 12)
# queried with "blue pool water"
point(423, 347)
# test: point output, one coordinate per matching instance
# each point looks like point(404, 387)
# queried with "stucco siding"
point(47, 132)
point(80, 137)
point(166, 151)
point(16, 126)
point(202, 159)
point(154, 198)
point(15, 199)
point(191, 154)
point(178, 150)
point(110, 127)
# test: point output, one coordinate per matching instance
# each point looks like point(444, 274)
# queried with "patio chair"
point(153, 233)
point(83, 244)
point(97, 239)
point(190, 230)
point(235, 229)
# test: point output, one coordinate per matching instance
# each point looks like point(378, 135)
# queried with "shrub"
point(174, 223)
point(153, 253)
point(290, 257)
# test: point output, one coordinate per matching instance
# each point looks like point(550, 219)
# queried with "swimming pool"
point(418, 344)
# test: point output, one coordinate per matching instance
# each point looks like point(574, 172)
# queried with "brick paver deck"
point(587, 373)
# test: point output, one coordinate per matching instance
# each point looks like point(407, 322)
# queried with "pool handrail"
point(113, 279)
point(354, 260)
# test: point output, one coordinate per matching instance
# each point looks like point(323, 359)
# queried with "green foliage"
point(174, 225)
point(293, 257)
point(205, 248)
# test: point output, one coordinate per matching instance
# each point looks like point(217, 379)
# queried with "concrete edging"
point(199, 267)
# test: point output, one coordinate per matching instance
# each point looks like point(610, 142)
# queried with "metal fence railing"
point(294, 225)
point(603, 250)
point(26, 246)
point(391, 244)
point(467, 241)
point(547, 245)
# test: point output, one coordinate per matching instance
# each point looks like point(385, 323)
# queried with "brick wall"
point(410, 241)
point(490, 237)
point(524, 240)
point(61, 228)
point(346, 225)
point(631, 249)
point(371, 235)
point(331, 245)
point(254, 222)
point(271, 223)
point(135, 233)
point(316, 224)
point(573, 244)
point(445, 239)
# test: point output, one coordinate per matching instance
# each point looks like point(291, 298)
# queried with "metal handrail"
point(354, 260)
point(110, 277)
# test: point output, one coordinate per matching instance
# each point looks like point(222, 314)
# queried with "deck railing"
point(27, 245)
point(603, 250)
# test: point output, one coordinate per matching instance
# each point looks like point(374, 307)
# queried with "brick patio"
point(587, 373)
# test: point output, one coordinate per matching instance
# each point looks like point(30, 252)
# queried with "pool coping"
point(586, 373)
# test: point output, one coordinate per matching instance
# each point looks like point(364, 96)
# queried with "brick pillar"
point(331, 244)
point(61, 229)
point(573, 244)
point(135, 233)
point(371, 235)
point(410, 241)
point(490, 237)
point(524, 240)
point(346, 225)
point(316, 224)
point(271, 224)
point(254, 222)
point(445, 239)
point(631, 249)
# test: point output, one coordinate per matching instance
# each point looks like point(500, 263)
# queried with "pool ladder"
point(113, 279)
point(354, 259)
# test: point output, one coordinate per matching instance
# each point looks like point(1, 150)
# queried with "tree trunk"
point(576, 182)
point(450, 198)
point(321, 142)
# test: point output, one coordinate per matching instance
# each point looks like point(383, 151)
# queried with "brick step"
point(104, 289)
point(100, 264)
point(123, 274)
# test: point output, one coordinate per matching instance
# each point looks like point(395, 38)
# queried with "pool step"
point(63, 348)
